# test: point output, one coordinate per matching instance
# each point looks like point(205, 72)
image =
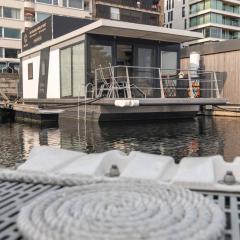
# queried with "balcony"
point(150, 5)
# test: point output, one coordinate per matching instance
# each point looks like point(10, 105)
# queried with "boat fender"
point(229, 178)
point(114, 171)
point(126, 103)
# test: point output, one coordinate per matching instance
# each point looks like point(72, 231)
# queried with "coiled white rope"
point(122, 210)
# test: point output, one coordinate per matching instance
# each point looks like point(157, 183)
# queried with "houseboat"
point(120, 70)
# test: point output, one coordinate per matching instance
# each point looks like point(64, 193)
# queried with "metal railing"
point(151, 82)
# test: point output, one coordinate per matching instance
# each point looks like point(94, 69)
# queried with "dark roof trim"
point(212, 48)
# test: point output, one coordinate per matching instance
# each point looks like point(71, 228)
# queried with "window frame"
point(30, 71)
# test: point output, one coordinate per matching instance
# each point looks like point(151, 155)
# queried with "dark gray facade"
point(143, 12)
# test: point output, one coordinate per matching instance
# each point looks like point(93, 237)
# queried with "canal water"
point(202, 136)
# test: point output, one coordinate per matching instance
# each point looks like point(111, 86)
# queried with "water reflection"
point(201, 136)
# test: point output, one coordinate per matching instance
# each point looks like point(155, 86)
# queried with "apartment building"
point(16, 15)
point(218, 20)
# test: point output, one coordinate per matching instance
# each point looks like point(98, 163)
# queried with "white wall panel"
point(53, 89)
point(30, 86)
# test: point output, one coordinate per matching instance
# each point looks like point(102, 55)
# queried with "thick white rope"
point(122, 210)
point(47, 178)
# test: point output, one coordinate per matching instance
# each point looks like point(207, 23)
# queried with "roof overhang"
point(123, 29)
point(133, 30)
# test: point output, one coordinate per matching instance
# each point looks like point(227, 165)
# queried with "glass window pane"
point(169, 62)
point(66, 76)
point(45, 1)
point(11, 13)
point(100, 55)
point(30, 71)
point(1, 52)
point(42, 16)
point(115, 13)
point(11, 53)
point(76, 4)
point(12, 33)
point(64, 3)
point(78, 70)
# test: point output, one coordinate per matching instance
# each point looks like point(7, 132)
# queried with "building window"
point(55, 2)
point(1, 52)
point(30, 71)
point(185, 23)
point(115, 13)
point(44, 1)
point(42, 16)
point(172, 3)
point(183, 11)
point(12, 33)
point(170, 25)
point(76, 4)
point(183, 2)
point(64, 2)
point(11, 13)
point(11, 53)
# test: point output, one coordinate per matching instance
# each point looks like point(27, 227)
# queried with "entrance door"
point(145, 61)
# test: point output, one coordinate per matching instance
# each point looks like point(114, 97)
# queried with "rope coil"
point(122, 210)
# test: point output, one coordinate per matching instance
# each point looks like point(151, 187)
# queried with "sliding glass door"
point(66, 73)
point(145, 62)
point(78, 70)
point(73, 71)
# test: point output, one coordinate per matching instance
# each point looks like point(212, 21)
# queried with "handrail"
point(156, 68)
point(119, 82)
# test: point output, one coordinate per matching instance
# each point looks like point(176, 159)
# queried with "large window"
point(66, 72)
point(11, 13)
point(78, 70)
point(44, 1)
point(73, 71)
point(100, 55)
point(12, 33)
point(169, 62)
point(11, 53)
point(76, 3)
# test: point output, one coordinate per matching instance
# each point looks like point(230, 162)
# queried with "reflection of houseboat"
point(66, 61)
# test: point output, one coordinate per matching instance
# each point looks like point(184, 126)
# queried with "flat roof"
point(123, 29)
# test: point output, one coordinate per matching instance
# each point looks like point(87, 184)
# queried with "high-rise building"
point(16, 15)
point(218, 20)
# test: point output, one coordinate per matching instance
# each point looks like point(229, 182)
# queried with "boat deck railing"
point(152, 82)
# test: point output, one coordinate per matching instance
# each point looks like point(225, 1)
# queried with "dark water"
point(201, 136)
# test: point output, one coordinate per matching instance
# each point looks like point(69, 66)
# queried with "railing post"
point(96, 94)
point(190, 85)
point(161, 83)
point(216, 85)
point(129, 93)
point(113, 80)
